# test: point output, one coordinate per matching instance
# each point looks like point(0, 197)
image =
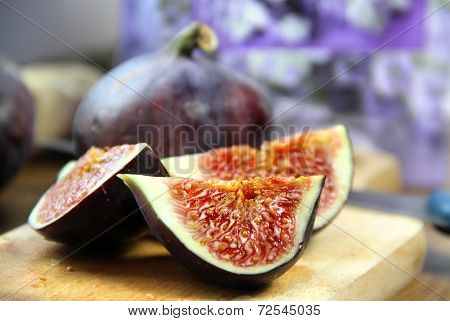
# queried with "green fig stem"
point(196, 35)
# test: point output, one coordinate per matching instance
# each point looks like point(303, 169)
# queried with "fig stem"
point(195, 35)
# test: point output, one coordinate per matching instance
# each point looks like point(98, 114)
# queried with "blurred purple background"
point(396, 98)
point(332, 24)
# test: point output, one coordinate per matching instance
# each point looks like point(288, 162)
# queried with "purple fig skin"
point(16, 122)
point(109, 215)
point(204, 269)
point(161, 95)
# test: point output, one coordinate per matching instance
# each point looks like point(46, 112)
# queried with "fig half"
point(89, 203)
point(325, 152)
point(241, 232)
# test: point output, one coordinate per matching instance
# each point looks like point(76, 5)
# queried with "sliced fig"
point(325, 152)
point(89, 203)
point(239, 232)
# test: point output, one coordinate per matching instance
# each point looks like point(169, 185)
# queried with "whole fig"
point(16, 121)
point(174, 100)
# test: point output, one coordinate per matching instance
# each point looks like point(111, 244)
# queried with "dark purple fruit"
point(89, 203)
point(16, 122)
point(172, 101)
point(242, 233)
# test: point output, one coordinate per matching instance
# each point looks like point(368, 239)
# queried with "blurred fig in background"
point(165, 99)
point(57, 89)
point(16, 121)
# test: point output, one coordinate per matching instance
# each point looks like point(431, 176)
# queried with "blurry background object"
point(146, 25)
point(331, 24)
point(398, 99)
point(367, 173)
point(57, 89)
point(395, 99)
point(88, 26)
point(16, 121)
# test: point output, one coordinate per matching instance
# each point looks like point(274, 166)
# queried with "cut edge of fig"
point(154, 198)
point(344, 168)
point(67, 167)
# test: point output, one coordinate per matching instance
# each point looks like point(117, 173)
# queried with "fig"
point(16, 121)
point(88, 203)
point(175, 101)
point(241, 233)
point(325, 152)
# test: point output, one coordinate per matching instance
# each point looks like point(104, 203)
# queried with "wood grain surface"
point(362, 255)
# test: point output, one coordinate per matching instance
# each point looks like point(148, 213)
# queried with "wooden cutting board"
point(363, 255)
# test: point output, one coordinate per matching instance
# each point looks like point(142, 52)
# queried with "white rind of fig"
point(67, 167)
point(343, 167)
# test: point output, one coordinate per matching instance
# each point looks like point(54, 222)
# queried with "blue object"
point(439, 208)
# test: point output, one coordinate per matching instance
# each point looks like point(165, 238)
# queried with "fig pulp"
point(16, 121)
point(239, 232)
point(89, 203)
point(325, 152)
point(175, 102)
